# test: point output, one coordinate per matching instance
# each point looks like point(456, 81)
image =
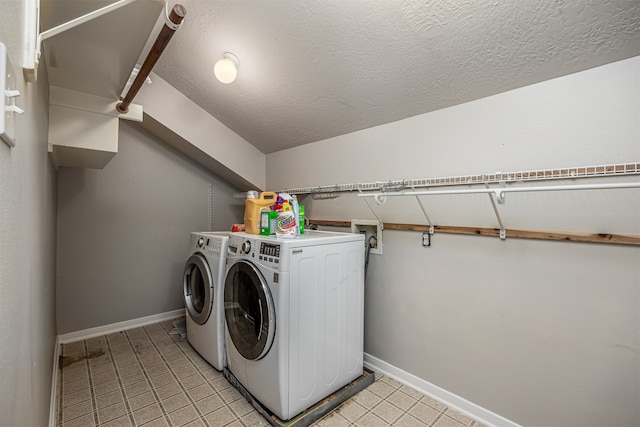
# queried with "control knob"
point(246, 247)
point(200, 242)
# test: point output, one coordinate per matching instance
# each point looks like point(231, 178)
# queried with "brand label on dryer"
point(296, 251)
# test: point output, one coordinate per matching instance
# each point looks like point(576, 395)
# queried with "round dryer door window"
point(198, 289)
point(249, 311)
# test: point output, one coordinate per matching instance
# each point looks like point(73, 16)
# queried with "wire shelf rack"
point(609, 170)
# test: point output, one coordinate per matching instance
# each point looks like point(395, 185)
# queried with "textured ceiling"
point(311, 70)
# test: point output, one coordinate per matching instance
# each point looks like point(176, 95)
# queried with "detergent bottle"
point(253, 207)
point(286, 222)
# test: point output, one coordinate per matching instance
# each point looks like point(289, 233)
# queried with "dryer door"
point(198, 288)
point(249, 311)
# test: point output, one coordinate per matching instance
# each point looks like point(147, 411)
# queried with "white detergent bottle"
point(296, 213)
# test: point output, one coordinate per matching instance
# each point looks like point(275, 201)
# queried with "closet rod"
point(172, 23)
point(500, 190)
point(571, 236)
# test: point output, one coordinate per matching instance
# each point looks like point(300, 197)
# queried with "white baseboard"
point(96, 332)
point(120, 326)
point(53, 405)
point(451, 400)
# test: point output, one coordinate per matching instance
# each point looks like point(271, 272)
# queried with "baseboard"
point(120, 326)
point(96, 332)
point(54, 385)
point(451, 400)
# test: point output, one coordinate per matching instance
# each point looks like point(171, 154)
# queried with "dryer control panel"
point(207, 244)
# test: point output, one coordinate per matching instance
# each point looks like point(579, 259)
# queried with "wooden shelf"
point(619, 239)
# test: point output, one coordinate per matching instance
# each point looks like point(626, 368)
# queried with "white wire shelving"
point(619, 169)
point(496, 185)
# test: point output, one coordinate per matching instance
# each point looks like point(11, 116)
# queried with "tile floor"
point(149, 376)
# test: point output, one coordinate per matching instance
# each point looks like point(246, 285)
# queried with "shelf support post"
point(492, 197)
point(424, 211)
point(371, 209)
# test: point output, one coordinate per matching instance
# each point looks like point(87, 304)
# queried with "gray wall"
point(544, 333)
point(27, 246)
point(123, 231)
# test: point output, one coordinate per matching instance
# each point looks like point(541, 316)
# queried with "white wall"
point(27, 247)
point(543, 333)
point(123, 231)
point(181, 123)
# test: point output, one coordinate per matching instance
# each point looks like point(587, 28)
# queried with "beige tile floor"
point(149, 376)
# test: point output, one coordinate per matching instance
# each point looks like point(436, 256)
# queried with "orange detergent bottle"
point(252, 208)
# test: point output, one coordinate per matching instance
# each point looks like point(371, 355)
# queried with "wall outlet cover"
point(8, 95)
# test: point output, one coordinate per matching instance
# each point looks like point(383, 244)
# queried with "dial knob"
point(200, 242)
point(246, 247)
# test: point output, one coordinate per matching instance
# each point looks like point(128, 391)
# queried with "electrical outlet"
point(426, 240)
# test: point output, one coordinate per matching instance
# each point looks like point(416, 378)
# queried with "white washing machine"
point(294, 316)
point(203, 279)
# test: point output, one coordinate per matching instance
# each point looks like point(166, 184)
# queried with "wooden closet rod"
point(619, 239)
point(176, 16)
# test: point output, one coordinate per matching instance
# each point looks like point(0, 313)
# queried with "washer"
point(203, 280)
point(294, 316)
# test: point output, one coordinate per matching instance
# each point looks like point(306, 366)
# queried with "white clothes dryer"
point(203, 282)
point(294, 316)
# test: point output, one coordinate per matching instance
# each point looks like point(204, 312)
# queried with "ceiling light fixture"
point(226, 69)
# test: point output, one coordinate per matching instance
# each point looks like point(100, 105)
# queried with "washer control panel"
point(264, 251)
point(269, 252)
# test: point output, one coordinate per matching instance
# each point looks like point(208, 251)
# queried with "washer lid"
point(249, 311)
point(198, 288)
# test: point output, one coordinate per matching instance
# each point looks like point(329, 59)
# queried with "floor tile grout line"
point(440, 415)
point(237, 416)
point(94, 403)
point(165, 414)
point(119, 380)
point(156, 396)
point(406, 411)
point(384, 399)
point(167, 346)
point(189, 398)
point(170, 369)
point(208, 382)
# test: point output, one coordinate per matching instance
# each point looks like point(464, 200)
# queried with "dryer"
point(294, 312)
point(203, 281)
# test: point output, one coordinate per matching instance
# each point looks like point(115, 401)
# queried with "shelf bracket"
point(34, 38)
point(497, 195)
point(371, 208)
point(424, 211)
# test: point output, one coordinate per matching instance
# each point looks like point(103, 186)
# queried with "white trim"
point(96, 332)
point(54, 385)
point(81, 20)
point(120, 326)
point(451, 400)
point(74, 100)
